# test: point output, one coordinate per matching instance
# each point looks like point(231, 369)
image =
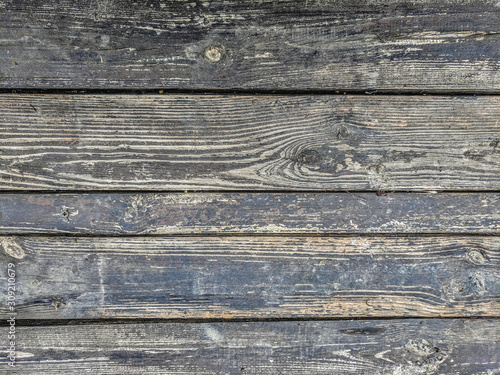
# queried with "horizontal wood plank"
point(270, 44)
point(405, 347)
point(250, 213)
point(239, 142)
point(254, 277)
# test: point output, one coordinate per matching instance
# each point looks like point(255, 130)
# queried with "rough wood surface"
point(264, 173)
point(396, 347)
point(124, 142)
point(270, 44)
point(254, 277)
point(252, 213)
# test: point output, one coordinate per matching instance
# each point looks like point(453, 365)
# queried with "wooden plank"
point(254, 277)
point(192, 142)
point(404, 347)
point(270, 44)
point(258, 213)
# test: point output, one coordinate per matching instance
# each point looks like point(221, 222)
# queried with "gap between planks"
point(97, 322)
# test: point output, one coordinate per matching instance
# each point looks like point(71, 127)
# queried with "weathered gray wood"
point(397, 347)
point(254, 277)
point(270, 44)
point(218, 213)
point(181, 142)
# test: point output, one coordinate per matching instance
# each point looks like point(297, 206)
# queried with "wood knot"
point(421, 347)
point(465, 287)
point(342, 132)
point(214, 53)
point(424, 354)
point(12, 247)
point(476, 256)
point(309, 157)
point(376, 168)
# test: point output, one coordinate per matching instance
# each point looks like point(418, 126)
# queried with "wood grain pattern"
point(179, 142)
point(206, 220)
point(254, 277)
point(397, 347)
point(251, 213)
point(389, 45)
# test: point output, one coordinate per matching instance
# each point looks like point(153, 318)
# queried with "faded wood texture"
point(397, 347)
point(254, 277)
point(179, 142)
point(252, 213)
point(387, 45)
